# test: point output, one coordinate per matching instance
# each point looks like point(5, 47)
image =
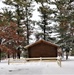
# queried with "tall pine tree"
point(64, 20)
point(23, 13)
point(46, 19)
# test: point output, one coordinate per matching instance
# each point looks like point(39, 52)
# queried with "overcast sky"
point(1, 4)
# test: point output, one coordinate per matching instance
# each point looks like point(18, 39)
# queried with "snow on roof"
point(39, 41)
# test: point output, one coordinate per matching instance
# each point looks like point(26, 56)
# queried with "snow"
point(38, 68)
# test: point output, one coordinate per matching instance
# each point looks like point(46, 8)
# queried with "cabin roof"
point(40, 41)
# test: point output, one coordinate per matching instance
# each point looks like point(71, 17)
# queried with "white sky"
point(1, 4)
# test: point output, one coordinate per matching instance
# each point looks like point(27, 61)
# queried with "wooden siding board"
point(42, 50)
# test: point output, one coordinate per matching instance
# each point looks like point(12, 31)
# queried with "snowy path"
point(38, 68)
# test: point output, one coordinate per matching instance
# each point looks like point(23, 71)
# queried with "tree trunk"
point(44, 33)
point(72, 53)
point(67, 54)
point(14, 55)
point(0, 55)
point(18, 54)
point(27, 26)
point(45, 27)
point(0, 49)
point(8, 55)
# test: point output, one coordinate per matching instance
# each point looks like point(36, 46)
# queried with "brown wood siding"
point(42, 50)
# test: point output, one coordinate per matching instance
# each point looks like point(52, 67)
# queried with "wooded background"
point(17, 25)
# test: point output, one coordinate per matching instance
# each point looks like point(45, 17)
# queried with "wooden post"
point(0, 55)
point(40, 59)
point(59, 60)
point(8, 61)
point(25, 60)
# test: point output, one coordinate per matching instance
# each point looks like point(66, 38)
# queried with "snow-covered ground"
point(38, 68)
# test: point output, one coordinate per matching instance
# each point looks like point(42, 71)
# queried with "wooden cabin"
point(42, 48)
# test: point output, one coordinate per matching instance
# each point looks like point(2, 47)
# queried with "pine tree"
point(23, 13)
point(28, 16)
point(46, 19)
point(63, 17)
point(71, 27)
point(22, 16)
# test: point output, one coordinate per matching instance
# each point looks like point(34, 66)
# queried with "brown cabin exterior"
point(42, 48)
